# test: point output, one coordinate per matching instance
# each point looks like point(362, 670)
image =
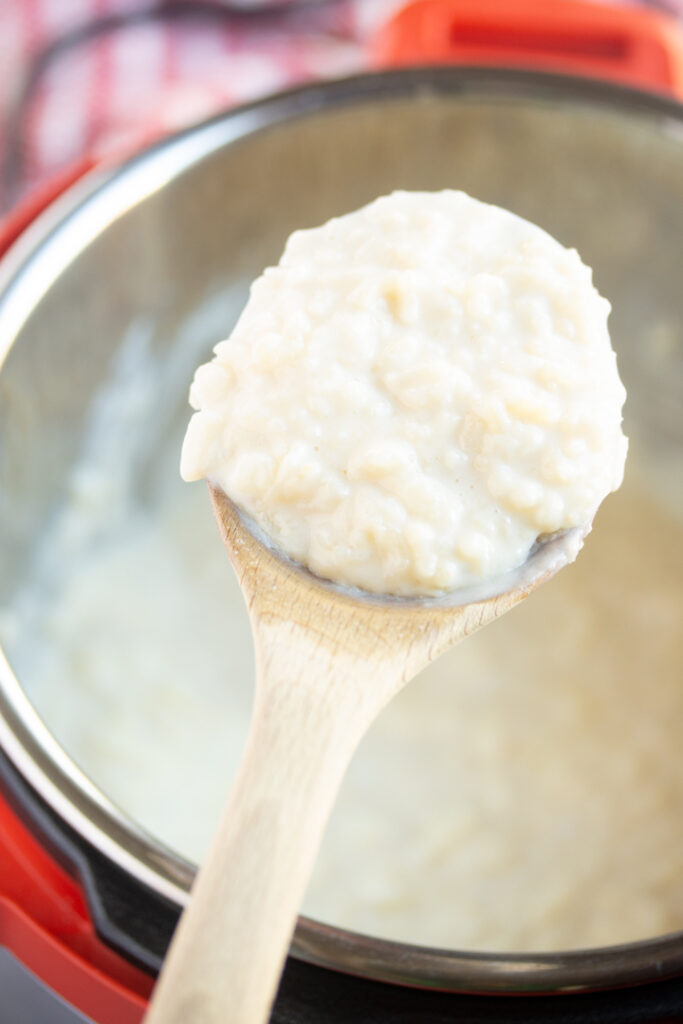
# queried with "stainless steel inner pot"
point(600, 167)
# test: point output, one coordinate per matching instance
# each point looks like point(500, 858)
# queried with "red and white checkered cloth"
point(154, 75)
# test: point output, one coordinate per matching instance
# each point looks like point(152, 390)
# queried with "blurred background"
point(101, 77)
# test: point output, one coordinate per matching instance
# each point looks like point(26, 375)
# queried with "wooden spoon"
point(327, 661)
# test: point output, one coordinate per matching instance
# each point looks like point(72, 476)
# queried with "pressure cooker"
point(565, 113)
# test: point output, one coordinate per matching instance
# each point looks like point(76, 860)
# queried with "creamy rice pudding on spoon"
point(420, 404)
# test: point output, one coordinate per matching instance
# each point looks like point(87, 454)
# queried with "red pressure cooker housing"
point(46, 908)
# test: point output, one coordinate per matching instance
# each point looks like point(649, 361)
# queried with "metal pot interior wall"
point(599, 167)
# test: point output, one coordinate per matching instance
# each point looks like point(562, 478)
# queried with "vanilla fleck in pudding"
point(413, 395)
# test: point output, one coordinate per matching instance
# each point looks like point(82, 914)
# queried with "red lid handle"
point(625, 44)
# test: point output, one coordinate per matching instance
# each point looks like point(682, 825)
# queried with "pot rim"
point(26, 273)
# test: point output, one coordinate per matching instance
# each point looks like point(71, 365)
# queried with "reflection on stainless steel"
point(600, 167)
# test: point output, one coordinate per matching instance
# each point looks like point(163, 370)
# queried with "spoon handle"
point(227, 954)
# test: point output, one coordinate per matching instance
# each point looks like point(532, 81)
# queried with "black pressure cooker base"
point(138, 924)
point(313, 995)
